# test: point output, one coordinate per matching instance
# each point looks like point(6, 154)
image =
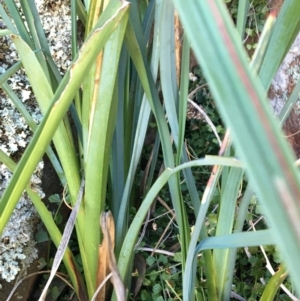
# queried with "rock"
point(18, 249)
point(282, 87)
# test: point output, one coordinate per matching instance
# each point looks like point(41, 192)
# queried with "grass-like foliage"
point(111, 90)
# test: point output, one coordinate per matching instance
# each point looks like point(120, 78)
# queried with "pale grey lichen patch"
point(278, 101)
point(17, 244)
point(14, 132)
point(56, 21)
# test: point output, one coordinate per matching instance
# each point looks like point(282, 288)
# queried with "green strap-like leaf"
point(62, 99)
point(242, 102)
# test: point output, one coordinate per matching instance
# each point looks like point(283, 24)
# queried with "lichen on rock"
point(282, 86)
point(17, 243)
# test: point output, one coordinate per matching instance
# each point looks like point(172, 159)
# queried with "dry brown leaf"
point(107, 260)
point(103, 255)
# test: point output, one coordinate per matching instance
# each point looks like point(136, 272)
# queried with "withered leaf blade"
point(107, 260)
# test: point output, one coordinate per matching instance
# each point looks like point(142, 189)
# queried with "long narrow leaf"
point(200, 231)
point(242, 103)
point(226, 214)
point(263, 237)
point(64, 242)
point(102, 118)
point(22, 30)
point(33, 126)
point(133, 231)
point(139, 128)
point(238, 240)
point(62, 99)
point(286, 28)
point(44, 95)
point(243, 9)
point(136, 48)
point(56, 236)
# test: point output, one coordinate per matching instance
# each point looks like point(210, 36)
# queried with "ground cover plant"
point(125, 75)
